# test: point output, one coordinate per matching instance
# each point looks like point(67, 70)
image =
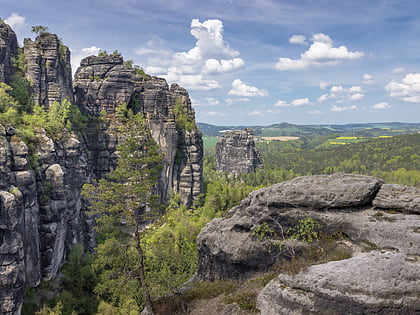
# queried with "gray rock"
point(398, 197)
point(236, 152)
point(102, 83)
point(378, 282)
point(48, 69)
point(387, 279)
point(8, 50)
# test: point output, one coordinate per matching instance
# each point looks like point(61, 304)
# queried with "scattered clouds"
point(367, 79)
point(211, 55)
point(323, 85)
point(17, 23)
point(231, 101)
point(341, 94)
point(241, 89)
point(298, 39)
point(214, 66)
point(212, 101)
point(255, 113)
point(407, 90)
point(320, 53)
point(398, 70)
point(336, 108)
point(77, 56)
point(316, 112)
point(295, 103)
point(382, 105)
point(215, 114)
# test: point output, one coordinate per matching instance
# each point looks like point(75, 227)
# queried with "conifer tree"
point(126, 195)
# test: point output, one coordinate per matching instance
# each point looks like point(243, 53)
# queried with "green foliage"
point(306, 230)
point(102, 53)
point(38, 30)
point(183, 120)
point(46, 310)
point(77, 283)
point(126, 197)
point(262, 231)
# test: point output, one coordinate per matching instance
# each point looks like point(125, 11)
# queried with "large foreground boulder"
point(381, 276)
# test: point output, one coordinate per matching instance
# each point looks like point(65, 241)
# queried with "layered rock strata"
point(8, 49)
point(40, 211)
point(102, 83)
point(236, 152)
point(48, 69)
point(385, 245)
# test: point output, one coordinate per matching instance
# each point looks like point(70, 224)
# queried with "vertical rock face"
point(236, 152)
point(48, 69)
point(102, 83)
point(40, 211)
point(8, 48)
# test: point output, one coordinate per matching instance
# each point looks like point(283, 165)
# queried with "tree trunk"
point(140, 265)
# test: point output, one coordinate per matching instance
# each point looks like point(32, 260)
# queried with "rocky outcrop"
point(385, 246)
point(8, 50)
point(398, 197)
point(102, 83)
point(48, 69)
point(40, 211)
point(236, 152)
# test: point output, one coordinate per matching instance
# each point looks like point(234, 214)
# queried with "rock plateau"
point(381, 224)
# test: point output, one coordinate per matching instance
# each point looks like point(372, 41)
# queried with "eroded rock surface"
point(48, 69)
point(102, 83)
point(380, 277)
point(8, 49)
point(236, 152)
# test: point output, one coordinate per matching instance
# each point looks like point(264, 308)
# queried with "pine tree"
point(127, 193)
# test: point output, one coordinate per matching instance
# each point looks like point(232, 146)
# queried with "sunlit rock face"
point(382, 229)
point(236, 152)
point(102, 83)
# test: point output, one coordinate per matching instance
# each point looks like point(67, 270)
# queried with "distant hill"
point(286, 129)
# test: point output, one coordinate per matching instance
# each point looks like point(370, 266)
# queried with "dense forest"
point(106, 281)
point(92, 284)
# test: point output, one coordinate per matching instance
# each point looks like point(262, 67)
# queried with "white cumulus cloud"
point(210, 55)
point(341, 94)
point(214, 66)
point(293, 103)
point(407, 90)
point(77, 56)
point(336, 108)
point(17, 22)
point(255, 113)
point(241, 89)
point(298, 39)
point(382, 105)
point(367, 78)
point(320, 53)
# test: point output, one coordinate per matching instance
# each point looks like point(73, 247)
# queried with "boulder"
point(398, 197)
point(384, 246)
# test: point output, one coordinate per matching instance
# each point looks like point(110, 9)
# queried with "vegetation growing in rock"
point(183, 121)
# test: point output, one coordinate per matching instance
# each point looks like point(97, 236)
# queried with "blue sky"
point(255, 62)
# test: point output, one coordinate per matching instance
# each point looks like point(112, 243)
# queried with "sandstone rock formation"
point(48, 69)
point(385, 246)
point(236, 152)
point(40, 211)
point(8, 48)
point(102, 83)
